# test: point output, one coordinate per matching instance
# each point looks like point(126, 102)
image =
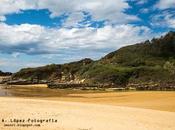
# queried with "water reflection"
point(30, 91)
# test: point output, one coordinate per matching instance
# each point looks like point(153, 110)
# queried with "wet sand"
point(156, 100)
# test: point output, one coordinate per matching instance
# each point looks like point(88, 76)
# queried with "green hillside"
point(148, 53)
point(150, 61)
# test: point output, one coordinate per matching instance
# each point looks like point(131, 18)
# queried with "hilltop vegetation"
point(53, 72)
point(5, 73)
point(150, 61)
point(148, 53)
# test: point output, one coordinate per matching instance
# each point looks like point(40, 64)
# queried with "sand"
point(156, 100)
point(82, 116)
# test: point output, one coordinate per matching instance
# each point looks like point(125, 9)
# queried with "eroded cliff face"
point(68, 78)
point(66, 73)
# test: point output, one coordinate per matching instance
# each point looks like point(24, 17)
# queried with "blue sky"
point(39, 32)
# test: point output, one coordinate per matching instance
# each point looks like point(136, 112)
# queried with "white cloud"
point(2, 18)
point(111, 10)
point(165, 4)
point(14, 6)
point(171, 23)
point(73, 19)
point(165, 19)
point(35, 39)
point(19, 34)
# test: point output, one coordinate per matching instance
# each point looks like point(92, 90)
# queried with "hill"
point(54, 72)
point(146, 53)
point(5, 73)
point(149, 62)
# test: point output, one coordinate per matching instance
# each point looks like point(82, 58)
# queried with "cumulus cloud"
point(36, 39)
point(73, 19)
point(111, 10)
point(165, 4)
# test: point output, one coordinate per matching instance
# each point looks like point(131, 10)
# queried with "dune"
point(79, 116)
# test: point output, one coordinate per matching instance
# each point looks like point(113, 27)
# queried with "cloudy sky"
point(39, 32)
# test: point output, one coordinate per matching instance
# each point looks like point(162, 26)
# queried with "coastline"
point(37, 107)
point(156, 100)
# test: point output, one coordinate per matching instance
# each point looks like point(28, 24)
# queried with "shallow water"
point(31, 91)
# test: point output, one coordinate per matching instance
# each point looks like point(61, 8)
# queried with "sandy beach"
point(90, 111)
point(83, 116)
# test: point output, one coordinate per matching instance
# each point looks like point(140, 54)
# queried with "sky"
point(39, 32)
